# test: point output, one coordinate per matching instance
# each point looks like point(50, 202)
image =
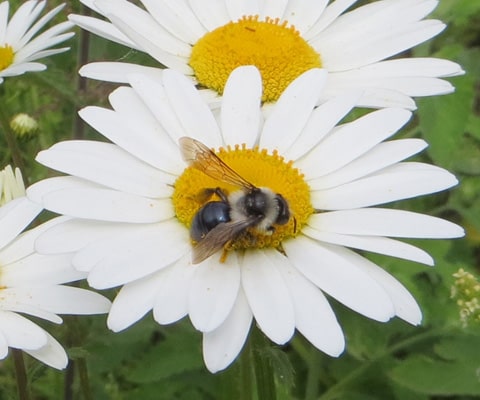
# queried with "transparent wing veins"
point(199, 156)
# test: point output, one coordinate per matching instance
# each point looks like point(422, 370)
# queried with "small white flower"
point(19, 47)
point(31, 284)
point(206, 40)
point(133, 200)
point(11, 184)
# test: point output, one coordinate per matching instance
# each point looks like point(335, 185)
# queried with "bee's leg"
point(225, 250)
point(206, 194)
point(221, 193)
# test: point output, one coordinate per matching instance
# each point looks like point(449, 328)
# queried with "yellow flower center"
point(6, 57)
point(275, 48)
point(262, 170)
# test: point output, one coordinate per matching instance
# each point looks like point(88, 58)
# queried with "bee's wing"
point(219, 236)
point(199, 156)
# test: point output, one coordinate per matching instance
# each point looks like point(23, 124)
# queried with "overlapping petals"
point(21, 34)
point(32, 284)
point(354, 46)
point(123, 230)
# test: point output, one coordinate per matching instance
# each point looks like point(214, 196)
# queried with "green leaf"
point(177, 353)
point(443, 121)
point(454, 372)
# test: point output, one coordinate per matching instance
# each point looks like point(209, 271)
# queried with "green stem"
point(84, 379)
point(21, 375)
point(311, 386)
point(263, 368)
point(335, 390)
point(83, 57)
point(245, 383)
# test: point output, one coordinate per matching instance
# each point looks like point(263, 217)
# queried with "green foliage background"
point(438, 360)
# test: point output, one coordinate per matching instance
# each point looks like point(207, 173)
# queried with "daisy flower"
point(208, 40)
point(18, 46)
point(132, 203)
point(32, 284)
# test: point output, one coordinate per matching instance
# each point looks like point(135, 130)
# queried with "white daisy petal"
point(117, 72)
point(400, 181)
point(154, 96)
point(61, 299)
point(240, 113)
point(107, 165)
point(3, 346)
point(51, 354)
point(104, 29)
point(221, 346)
point(15, 216)
point(74, 234)
point(237, 9)
point(21, 20)
point(321, 121)
point(314, 317)
point(177, 17)
point(143, 144)
point(331, 12)
point(39, 268)
point(375, 48)
point(4, 6)
point(299, 100)
point(381, 156)
point(375, 244)
point(352, 140)
point(213, 292)
point(268, 295)
point(327, 265)
point(159, 246)
point(126, 14)
point(24, 244)
point(385, 222)
point(405, 305)
point(132, 302)
point(211, 14)
point(303, 14)
point(43, 21)
point(107, 205)
point(273, 9)
point(171, 301)
point(372, 97)
point(191, 110)
point(21, 333)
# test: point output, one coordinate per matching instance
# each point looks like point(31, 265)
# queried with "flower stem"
point(84, 380)
point(21, 375)
point(263, 368)
point(82, 57)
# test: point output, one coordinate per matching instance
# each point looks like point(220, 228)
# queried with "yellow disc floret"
point(275, 48)
point(262, 170)
point(6, 57)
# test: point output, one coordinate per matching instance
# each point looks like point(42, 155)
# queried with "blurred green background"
point(438, 360)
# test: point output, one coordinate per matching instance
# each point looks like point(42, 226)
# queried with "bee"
point(219, 222)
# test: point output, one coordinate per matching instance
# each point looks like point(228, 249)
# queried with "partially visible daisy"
point(11, 184)
point(32, 284)
point(207, 40)
point(19, 47)
point(132, 203)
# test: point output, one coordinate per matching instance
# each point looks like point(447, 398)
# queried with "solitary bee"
point(219, 222)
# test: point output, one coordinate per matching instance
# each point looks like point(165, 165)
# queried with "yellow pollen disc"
point(6, 57)
point(275, 48)
point(262, 170)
